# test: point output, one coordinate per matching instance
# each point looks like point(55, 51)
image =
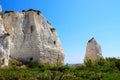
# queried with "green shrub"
point(88, 63)
point(31, 65)
point(100, 62)
point(23, 11)
point(63, 68)
point(9, 11)
point(79, 68)
point(101, 69)
point(15, 62)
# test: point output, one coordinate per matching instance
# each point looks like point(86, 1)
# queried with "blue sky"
point(76, 21)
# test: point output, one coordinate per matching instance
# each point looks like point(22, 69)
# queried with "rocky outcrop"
point(4, 44)
point(93, 50)
point(32, 38)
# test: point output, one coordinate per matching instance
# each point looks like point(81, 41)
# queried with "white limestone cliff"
point(4, 44)
point(32, 38)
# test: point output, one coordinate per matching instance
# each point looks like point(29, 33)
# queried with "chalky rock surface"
point(93, 50)
point(33, 39)
point(4, 44)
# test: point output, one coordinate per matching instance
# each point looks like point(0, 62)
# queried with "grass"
point(103, 69)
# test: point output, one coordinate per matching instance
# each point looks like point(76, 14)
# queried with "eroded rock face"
point(93, 50)
point(33, 39)
point(4, 44)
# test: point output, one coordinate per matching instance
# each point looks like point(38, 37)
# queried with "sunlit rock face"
point(4, 43)
point(93, 50)
point(32, 38)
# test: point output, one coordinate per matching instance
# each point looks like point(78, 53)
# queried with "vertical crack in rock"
point(31, 28)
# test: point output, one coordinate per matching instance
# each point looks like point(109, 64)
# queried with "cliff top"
point(24, 11)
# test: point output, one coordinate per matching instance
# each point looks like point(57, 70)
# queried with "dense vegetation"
point(102, 69)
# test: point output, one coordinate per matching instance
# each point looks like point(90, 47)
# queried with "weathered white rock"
point(93, 50)
point(32, 38)
point(4, 44)
point(4, 50)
